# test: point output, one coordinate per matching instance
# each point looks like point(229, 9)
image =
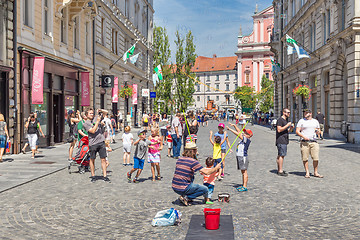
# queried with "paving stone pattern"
point(69, 206)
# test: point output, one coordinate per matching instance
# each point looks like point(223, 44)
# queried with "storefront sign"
point(115, 91)
point(145, 93)
point(135, 93)
point(37, 81)
point(85, 89)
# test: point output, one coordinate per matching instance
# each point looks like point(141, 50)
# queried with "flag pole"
point(111, 66)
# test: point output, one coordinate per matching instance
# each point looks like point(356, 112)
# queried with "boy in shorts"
point(242, 153)
point(139, 156)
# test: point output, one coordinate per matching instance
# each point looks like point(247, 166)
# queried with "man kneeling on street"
point(182, 182)
point(96, 142)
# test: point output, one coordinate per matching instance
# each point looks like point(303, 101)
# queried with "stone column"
point(256, 33)
point(262, 31)
point(255, 75)
point(239, 73)
point(261, 73)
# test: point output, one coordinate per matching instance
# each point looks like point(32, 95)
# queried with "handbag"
point(8, 146)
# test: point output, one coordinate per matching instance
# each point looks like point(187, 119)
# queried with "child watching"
point(192, 137)
point(224, 136)
point(127, 139)
point(139, 156)
point(169, 139)
point(154, 156)
point(242, 153)
point(209, 180)
point(217, 151)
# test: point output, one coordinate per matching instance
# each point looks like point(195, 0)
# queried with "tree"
point(162, 55)
point(185, 60)
point(266, 96)
point(246, 96)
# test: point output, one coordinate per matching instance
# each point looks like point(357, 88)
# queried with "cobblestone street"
point(69, 206)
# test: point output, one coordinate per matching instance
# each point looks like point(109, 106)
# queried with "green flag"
point(129, 52)
point(290, 40)
point(159, 72)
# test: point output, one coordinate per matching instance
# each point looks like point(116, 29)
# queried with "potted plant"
point(303, 90)
point(126, 91)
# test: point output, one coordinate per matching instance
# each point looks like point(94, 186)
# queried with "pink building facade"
point(254, 51)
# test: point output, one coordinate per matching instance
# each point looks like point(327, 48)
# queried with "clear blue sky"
point(215, 24)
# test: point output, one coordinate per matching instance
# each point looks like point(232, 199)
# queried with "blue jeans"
point(194, 190)
point(176, 145)
point(211, 189)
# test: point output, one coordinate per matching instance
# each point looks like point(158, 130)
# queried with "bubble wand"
point(187, 126)
point(234, 141)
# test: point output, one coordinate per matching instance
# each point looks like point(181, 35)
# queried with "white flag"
point(155, 79)
point(134, 58)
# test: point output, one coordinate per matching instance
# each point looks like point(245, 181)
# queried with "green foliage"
point(266, 96)
point(162, 55)
point(246, 96)
point(185, 60)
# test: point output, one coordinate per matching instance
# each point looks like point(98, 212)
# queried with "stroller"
point(82, 157)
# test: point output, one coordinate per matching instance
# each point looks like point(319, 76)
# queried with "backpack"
point(113, 123)
point(146, 120)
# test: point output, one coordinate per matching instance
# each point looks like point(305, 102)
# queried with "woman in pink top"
point(209, 180)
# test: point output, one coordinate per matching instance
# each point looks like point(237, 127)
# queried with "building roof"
point(206, 64)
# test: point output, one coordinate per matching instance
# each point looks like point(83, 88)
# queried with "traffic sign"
point(152, 94)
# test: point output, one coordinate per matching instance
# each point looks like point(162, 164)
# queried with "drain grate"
point(42, 162)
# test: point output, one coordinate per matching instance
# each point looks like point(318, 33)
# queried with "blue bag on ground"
point(167, 217)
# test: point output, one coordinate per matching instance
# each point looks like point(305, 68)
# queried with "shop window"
point(42, 113)
point(71, 85)
point(57, 82)
point(47, 78)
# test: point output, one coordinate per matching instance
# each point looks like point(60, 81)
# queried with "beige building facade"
point(329, 30)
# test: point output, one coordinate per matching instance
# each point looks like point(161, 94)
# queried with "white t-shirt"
point(242, 119)
point(107, 122)
point(176, 123)
point(307, 127)
point(126, 137)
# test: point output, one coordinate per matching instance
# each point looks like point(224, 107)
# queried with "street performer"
point(186, 166)
point(96, 142)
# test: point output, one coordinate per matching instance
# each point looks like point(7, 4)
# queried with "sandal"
point(241, 189)
point(318, 176)
point(184, 201)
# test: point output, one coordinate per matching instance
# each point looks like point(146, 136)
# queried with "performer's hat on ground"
point(248, 131)
point(190, 145)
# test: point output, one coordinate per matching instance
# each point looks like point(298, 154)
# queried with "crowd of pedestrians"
point(174, 132)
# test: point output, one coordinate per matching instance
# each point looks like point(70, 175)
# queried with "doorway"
point(3, 95)
point(57, 118)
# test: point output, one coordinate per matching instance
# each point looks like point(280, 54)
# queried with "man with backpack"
point(145, 120)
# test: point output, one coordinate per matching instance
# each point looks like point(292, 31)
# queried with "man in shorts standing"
point(96, 143)
point(307, 129)
point(321, 119)
point(282, 139)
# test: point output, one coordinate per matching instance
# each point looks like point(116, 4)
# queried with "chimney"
point(214, 55)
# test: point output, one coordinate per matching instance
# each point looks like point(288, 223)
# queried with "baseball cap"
point(141, 131)
point(248, 131)
point(70, 112)
point(221, 125)
point(190, 145)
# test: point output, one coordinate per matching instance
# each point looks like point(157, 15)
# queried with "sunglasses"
point(287, 112)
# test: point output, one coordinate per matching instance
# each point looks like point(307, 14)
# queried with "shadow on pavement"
point(274, 171)
point(302, 174)
point(7, 160)
point(349, 147)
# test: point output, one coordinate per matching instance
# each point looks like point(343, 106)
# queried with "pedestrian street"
point(69, 206)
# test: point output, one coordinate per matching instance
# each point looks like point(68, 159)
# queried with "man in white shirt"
point(307, 129)
point(176, 133)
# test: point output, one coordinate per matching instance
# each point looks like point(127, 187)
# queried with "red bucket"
point(212, 218)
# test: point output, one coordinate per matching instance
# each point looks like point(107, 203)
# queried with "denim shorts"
point(2, 141)
point(217, 161)
point(282, 149)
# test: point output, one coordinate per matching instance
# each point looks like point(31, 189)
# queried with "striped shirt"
point(184, 173)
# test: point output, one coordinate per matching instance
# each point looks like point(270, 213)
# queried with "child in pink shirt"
point(209, 180)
